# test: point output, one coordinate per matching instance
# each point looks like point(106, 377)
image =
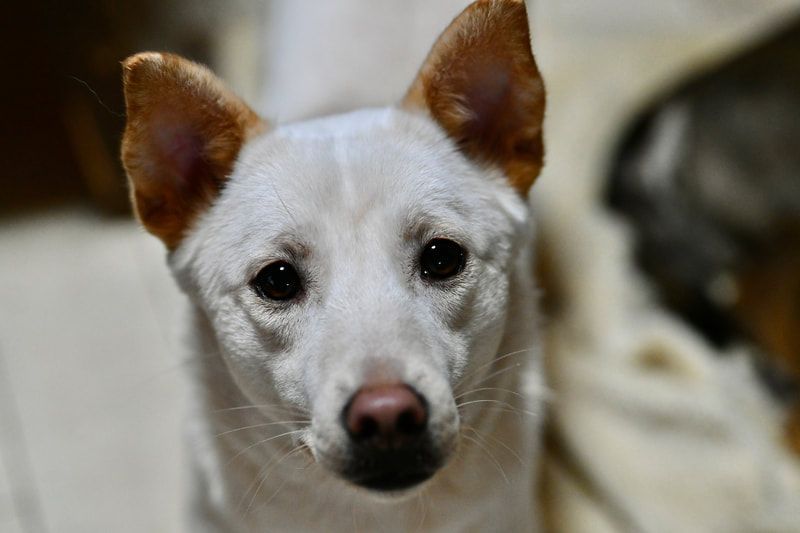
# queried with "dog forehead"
point(367, 149)
point(348, 166)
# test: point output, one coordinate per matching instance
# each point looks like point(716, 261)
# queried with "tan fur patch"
point(184, 131)
point(768, 308)
point(480, 82)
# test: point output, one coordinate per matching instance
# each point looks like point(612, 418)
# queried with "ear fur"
point(184, 131)
point(481, 84)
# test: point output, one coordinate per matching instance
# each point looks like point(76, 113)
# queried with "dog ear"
point(481, 84)
point(184, 131)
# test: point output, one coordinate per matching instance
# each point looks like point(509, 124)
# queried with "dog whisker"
point(283, 204)
point(274, 494)
point(311, 462)
point(490, 363)
point(254, 426)
point(498, 402)
point(501, 405)
point(498, 372)
point(267, 473)
point(263, 441)
point(514, 411)
point(423, 502)
point(491, 457)
point(482, 389)
point(355, 521)
point(275, 406)
point(498, 441)
point(420, 511)
point(261, 471)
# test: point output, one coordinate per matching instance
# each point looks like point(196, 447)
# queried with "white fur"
point(351, 200)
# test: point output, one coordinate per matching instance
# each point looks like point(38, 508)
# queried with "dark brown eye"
point(442, 259)
point(278, 281)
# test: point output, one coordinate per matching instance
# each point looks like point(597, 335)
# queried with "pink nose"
point(386, 415)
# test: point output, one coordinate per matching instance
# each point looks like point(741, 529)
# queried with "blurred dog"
point(708, 180)
point(364, 326)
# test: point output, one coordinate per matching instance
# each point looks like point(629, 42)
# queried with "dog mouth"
point(394, 481)
point(387, 471)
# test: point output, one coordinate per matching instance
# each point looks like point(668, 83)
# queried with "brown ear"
point(481, 84)
point(184, 131)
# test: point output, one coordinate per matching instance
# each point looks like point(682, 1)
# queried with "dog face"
point(354, 254)
point(355, 267)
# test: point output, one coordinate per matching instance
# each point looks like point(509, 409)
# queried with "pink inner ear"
point(180, 148)
point(489, 89)
point(487, 96)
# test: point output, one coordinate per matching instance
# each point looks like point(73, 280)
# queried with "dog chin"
point(390, 478)
point(392, 490)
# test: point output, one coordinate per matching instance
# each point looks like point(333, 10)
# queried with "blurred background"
point(681, 118)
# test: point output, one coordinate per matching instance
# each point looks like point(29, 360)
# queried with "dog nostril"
point(411, 422)
point(366, 428)
point(386, 416)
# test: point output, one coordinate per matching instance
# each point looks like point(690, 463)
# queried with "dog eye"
point(442, 259)
point(277, 281)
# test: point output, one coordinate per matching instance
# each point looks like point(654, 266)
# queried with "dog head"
point(356, 266)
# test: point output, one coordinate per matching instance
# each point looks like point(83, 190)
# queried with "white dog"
point(364, 303)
